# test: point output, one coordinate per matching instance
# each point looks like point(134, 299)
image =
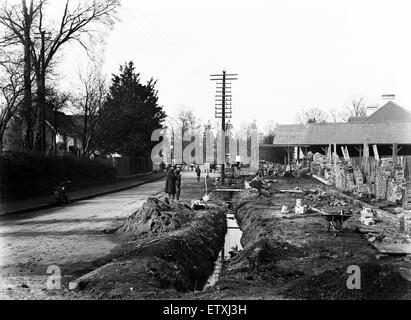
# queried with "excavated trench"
point(170, 250)
point(232, 240)
point(293, 256)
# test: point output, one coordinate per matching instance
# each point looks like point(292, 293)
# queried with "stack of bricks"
point(359, 180)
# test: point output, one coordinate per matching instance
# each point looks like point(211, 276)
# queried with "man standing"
point(198, 171)
point(178, 182)
point(171, 183)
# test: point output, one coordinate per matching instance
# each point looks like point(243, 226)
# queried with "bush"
point(24, 175)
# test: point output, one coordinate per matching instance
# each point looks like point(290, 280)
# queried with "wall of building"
point(272, 154)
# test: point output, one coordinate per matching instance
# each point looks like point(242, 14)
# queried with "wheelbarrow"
point(335, 220)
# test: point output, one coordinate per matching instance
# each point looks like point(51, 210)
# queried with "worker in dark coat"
point(177, 174)
point(171, 183)
point(198, 171)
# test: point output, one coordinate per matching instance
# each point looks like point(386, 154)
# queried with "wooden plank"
point(322, 180)
point(393, 248)
point(291, 191)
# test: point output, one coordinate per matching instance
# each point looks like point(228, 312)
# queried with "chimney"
point(387, 97)
point(371, 109)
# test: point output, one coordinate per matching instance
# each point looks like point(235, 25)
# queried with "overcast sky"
point(289, 55)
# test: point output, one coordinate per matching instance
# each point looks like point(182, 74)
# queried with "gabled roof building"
point(389, 128)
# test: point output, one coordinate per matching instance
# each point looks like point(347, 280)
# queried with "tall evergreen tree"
point(130, 115)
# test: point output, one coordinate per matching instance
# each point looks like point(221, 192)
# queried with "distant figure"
point(207, 169)
point(171, 183)
point(198, 171)
point(177, 174)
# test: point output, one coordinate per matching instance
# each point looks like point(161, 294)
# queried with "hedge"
point(24, 175)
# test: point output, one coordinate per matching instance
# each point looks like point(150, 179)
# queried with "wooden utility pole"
point(395, 153)
point(223, 109)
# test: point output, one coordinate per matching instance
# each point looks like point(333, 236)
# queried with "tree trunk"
point(27, 105)
point(85, 132)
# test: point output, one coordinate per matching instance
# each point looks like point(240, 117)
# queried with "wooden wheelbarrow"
point(335, 220)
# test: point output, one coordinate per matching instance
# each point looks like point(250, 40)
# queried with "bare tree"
point(187, 119)
point(17, 22)
point(11, 92)
point(269, 132)
point(313, 115)
point(355, 108)
point(77, 23)
point(334, 115)
point(89, 102)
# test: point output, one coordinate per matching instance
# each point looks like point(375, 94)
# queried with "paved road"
point(71, 237)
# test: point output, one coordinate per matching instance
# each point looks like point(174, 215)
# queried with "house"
point(13, 135)
point(63, 133)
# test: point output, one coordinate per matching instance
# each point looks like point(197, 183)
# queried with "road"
point(76, 238)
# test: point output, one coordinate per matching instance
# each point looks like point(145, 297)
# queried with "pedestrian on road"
point(198, 171)
point(177, 174)
point(171, 183)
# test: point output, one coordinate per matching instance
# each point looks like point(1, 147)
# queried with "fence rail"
point(127, 166)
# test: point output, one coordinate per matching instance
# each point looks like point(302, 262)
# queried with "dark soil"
point(289, 256)
point(167, 259)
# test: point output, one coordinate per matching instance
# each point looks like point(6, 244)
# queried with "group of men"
point(173, 181)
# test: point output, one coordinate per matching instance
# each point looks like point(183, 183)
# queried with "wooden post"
point(289, 155)
point(395, 152)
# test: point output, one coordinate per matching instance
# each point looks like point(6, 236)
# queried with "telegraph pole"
point(223, 109)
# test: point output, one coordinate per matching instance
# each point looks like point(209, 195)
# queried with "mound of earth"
point(377, 282)
point(157, 216)
point(166, 261)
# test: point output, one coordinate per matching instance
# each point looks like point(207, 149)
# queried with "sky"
point(289, 55)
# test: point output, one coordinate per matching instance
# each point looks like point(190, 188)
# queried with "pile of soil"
point(157, 216)
point(162, 265)
point(377, 282)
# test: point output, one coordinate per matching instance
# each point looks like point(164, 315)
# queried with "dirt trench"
point(292, 256)
point(170, 250)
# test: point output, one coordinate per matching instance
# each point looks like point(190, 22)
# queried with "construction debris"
point(367, 217)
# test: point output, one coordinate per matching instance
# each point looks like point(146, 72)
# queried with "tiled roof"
point(388, 132)
point(389, 124)
point(390, 112)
